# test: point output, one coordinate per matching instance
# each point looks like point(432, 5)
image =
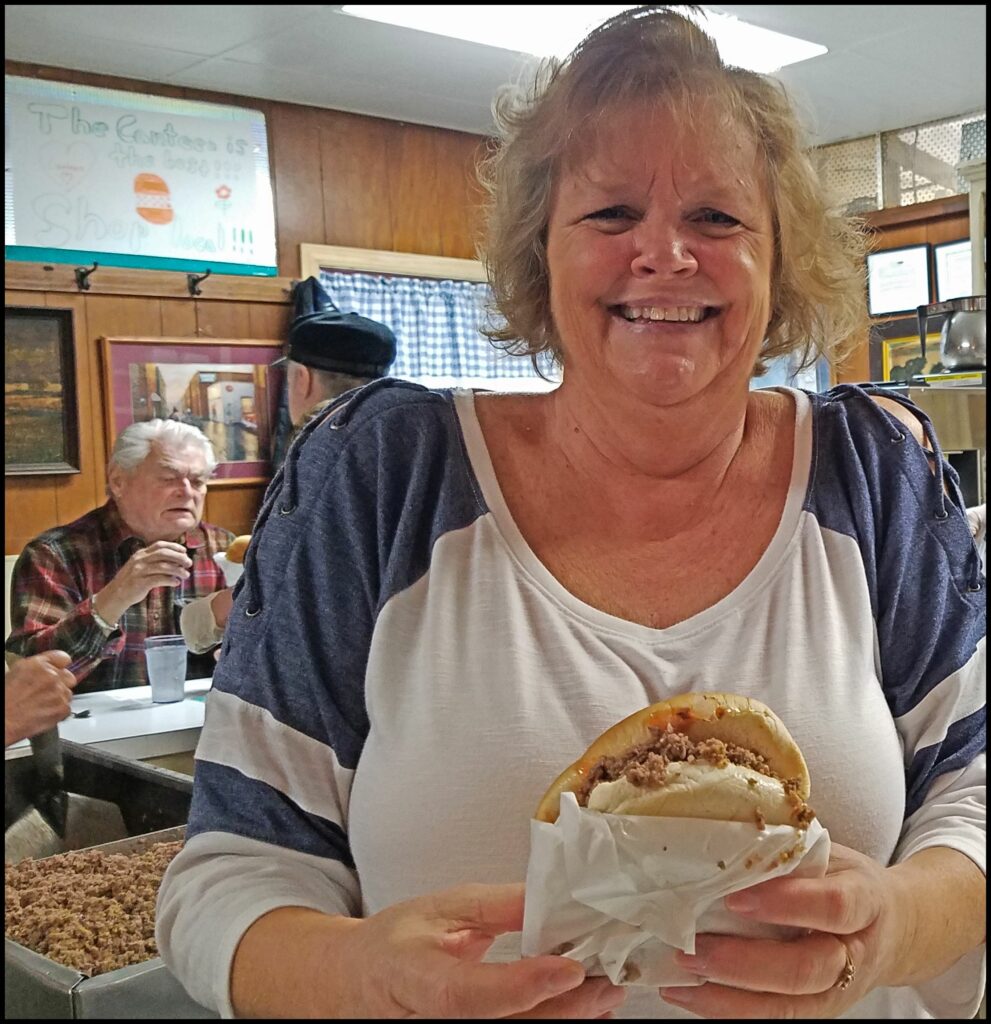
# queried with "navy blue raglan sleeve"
point(876, 484)
point(349, 523)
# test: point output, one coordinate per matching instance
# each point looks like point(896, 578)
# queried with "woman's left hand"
point(854, 920)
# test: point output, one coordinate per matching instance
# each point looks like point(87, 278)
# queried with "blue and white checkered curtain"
point(436, 324)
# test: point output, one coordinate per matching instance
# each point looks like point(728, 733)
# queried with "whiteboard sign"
point(132, 180)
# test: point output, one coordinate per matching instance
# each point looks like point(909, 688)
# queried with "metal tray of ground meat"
point(155, 805)
point(38, 988)
point(150, 798)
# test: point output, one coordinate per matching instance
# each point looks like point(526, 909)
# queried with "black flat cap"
point(323, 337)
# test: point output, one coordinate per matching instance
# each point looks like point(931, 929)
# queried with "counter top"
point(128, 723)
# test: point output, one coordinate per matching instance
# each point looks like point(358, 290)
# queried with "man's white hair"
point(133, 444)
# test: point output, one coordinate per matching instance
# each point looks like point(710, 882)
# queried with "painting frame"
point(66, 411)
point(896, 353)
point(223, 363)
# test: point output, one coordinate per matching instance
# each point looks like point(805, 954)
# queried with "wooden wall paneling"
point(29, 508)
point(234, 508)
point(856, 368)
point(110, 316)
point(179, 318)
point(16, 297)
point(416, 200)
point(293, 143)
point(461, 196)
point(355, 173)
point(78, 493)
point(223, 319)
point(267, 320)
point(123, 315)
point(164, 284)
point(948, 229)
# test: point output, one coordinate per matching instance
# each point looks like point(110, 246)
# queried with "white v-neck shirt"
point(457, 677)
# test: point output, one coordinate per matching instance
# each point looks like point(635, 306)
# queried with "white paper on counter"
point(231, 570)
point(622, 892)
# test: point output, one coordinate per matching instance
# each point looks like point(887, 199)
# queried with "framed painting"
point(41, 419)
point(896, 351)
point(225, 386)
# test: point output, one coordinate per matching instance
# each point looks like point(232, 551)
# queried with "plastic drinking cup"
point(166, 658)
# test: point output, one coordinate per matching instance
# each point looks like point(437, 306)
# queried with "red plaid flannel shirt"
point(56, 576)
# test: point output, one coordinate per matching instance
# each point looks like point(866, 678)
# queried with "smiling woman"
point(657, 255)
point(499, 577)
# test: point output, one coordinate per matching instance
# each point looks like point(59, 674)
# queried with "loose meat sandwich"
point(700, 755)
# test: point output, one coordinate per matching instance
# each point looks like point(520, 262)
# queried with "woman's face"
point(660, 248)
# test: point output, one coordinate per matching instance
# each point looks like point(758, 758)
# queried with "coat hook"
point(82, 277)
point(193, 282)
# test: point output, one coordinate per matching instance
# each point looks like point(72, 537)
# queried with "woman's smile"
point(660, 244)
point(644, 314)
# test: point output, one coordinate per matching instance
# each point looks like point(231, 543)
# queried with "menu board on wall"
point(130, 180)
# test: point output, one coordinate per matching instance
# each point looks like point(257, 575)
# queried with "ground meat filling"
point(646, 765)
point(89, 910)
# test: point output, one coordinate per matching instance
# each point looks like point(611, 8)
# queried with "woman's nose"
point(662, 250)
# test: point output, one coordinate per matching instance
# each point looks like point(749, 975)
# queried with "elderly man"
point(99, 586)
point(328, 353)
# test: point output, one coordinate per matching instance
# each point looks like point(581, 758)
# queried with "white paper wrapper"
point(620, 893)
point(231, 570)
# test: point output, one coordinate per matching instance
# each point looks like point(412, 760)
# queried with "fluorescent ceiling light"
point(553, 31)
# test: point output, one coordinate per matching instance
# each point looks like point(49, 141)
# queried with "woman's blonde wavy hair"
point(655, 55)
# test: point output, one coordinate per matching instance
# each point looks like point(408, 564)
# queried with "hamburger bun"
point(238, 546)
point(699, 755)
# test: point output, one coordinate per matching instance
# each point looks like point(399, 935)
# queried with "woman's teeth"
point(679, 314)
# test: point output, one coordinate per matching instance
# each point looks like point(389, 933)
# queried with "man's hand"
point(37, 695)
point(162, 564)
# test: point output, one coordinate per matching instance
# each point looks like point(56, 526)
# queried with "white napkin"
point(620, 893)
point(231, 570)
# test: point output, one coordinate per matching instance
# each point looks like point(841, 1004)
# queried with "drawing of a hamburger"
point(152, 199)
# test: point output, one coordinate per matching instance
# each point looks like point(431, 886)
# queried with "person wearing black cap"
point(328, 353)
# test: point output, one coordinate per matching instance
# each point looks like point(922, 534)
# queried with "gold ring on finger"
point(849, 970)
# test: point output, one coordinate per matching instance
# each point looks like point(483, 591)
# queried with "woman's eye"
point(717, 217)
point(611, 213)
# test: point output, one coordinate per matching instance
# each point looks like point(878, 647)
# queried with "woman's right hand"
point(420, 958)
